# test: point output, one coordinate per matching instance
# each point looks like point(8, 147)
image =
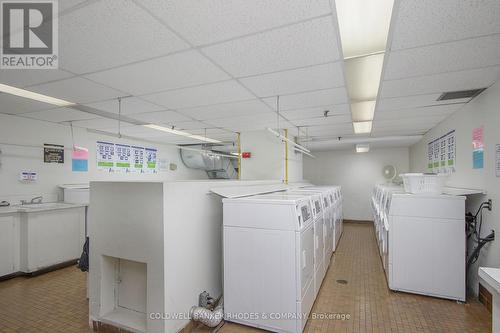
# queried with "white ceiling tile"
point(420, 122)
point(60, 115)
point(303, 44)
point(11, 104)
point(439, 83)
point(221, 92)
point(426, 22)
point(335, 119)
point(330, 130)
point(316, 112)
point(110, 33)
point(296, 80)
point(174, 71)
point(130, 105)
point(101, 124)
point(25, 77)
point(398, 132)
point(246, 123)
point(212, 132)
point(410, 113)
point(406, 102)
point(190, 125)
point(76, 90)
point(310, 99)
point(139, 131)
point(160, 117)
point(455, 56)
point(227, 110)
point(207, 21)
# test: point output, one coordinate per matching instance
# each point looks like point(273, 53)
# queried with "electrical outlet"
point(490, 205)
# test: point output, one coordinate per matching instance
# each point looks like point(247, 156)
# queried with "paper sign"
point(80, 153)
point(53, 153)
point(497, 160)
point(478, 137)
point(478, 159)
point(79, 159)
point(478, 148)
point(28, 176)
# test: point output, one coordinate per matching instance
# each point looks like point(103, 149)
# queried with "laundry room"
point(248, 166)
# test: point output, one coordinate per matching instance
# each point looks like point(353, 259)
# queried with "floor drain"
point(342, 281)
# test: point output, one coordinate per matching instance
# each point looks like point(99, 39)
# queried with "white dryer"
point(269, 261)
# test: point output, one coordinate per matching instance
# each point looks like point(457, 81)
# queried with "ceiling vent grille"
point(460, 94)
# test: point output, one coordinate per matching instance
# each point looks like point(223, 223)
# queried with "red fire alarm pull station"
point(246, 154)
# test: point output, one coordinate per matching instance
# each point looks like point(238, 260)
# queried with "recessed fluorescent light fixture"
point(363, 111)
point(363, 25)
point(181, 133)
point(362, 127)
point(34, 96)
point(362, 148)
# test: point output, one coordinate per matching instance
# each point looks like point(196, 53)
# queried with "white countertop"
point(491, 276)
point(33, 208)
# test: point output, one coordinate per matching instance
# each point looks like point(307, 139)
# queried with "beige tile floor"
point(372, 307)
point(55, 302)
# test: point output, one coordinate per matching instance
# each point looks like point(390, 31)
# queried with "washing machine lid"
point(301, 203)
point(247, 190)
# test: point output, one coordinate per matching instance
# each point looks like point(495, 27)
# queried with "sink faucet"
point(37, 200)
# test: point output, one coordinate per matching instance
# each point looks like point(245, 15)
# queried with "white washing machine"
point(269, 261)
point(328, 219)
point(319, 244)
point(336, 203)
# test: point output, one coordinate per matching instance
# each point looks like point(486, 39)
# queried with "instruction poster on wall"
point(151, 165)
point(113, 157)
point(478, 148)
point(123, 158)
point(441, 154)
point(137, 159)
point(105, 156)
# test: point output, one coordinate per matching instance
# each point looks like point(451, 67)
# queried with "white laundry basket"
point(418, 183)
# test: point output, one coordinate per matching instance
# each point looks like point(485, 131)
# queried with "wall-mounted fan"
point(389, 172)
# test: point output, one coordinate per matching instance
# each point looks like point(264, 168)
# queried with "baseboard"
point(358, 221)
point(41, 271)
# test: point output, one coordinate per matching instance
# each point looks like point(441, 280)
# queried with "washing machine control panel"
point(304, 213)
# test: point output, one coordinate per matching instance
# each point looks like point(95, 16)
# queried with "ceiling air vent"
point(460, 94)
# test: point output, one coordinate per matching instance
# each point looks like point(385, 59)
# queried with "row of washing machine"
point(381, 201)
point(421, 240)
point(277, 249)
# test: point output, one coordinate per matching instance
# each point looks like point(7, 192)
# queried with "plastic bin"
point(418, 183)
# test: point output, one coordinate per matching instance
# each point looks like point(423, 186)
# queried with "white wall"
point(356, 173)
point(268, 158)
point(483, 110)
point(13, 159)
